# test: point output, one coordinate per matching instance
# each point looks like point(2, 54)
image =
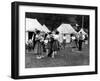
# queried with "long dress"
point(48, 45)
point(73, 38)
point(38, 49)
point(55, 46)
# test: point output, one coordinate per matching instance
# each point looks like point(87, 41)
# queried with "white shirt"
point(56, 37)
point(73, 38)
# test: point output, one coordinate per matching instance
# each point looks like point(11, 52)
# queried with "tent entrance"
point(30, 34)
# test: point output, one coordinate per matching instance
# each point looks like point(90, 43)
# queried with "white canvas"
point(66, 28)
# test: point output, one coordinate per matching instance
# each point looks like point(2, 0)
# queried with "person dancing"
point(55, 46)
point(38, 49)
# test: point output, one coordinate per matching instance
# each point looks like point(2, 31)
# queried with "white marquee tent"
point(66, 28)
point(83, 32)
point(32, 24)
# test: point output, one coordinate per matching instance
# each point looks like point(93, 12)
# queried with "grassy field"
point(66, 57)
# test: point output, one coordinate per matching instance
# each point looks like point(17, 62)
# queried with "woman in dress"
point(38, 49)
point(73, 40)
point(49, 45)
point(55, 45)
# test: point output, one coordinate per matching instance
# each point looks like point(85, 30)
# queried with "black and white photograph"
point(54, 40)
point(51, 40)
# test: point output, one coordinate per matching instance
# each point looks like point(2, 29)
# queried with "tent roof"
point(82, 30)
point(66, 28)
point(32, 24)
point(44, 28)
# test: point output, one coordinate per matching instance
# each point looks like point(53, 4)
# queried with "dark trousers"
point(50, 53)
point(34, 42)
point(80, 45)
